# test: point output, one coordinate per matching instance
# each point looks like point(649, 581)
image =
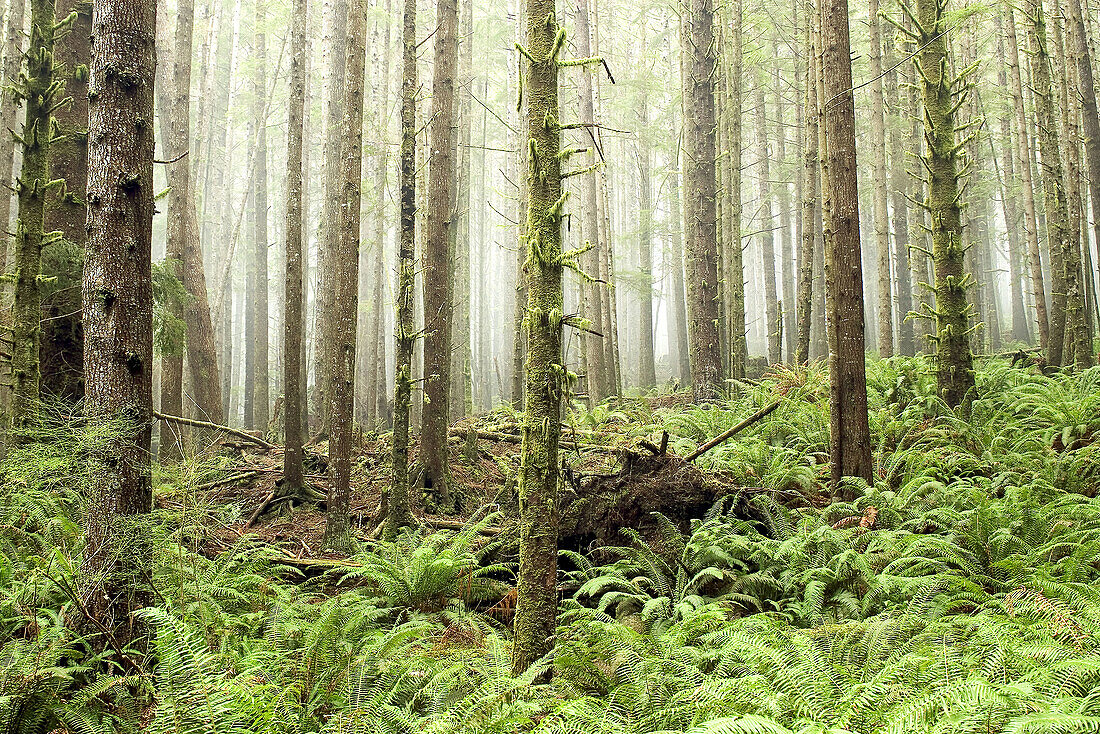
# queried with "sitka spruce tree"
point(41, 92)
point(941, 92)
point(118, 312)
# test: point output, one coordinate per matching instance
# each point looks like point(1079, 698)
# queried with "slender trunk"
point(293, 306)
point(258, 384)
point(335, 34)
point(786, 228)
point(850, 439)
point(345, 285)
point(808, 250)
point(679, 301)
point(539, 472)
point(646, 361)
point(62, 349)
point(1067, 297)
point(899, 184)
point(767, 238)
point(955, 373)
point(1027, 187)
point(10, 105)
point(879, 203)
point(118, 310)
point(32, 189)
point(462, 289)
point(438, 281)
point(397, 512)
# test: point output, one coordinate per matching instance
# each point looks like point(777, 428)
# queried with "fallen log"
point(727, 435)
point(215, 427)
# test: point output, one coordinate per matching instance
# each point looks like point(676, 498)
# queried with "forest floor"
point(705, 587)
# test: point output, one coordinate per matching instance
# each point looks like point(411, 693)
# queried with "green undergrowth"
point(958, 593)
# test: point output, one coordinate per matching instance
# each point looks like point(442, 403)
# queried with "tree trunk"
point(1023, 153)
point(10, 106)
point(201, 352)
point(899, 184)
point(1078, 39)
point(539, 472)
point(438, 281)
point(810, 187)
point(850, 438)
point(335, 34)
point(118, 309)
point(879, 203)
point(678, 308)
point(293, 305)
point(1067, 296)
point(1020, 330)
point(462, 378)
point(646, 361)
point(62, 348)
point(345, 288)
point(767, 238)
point(397, 513)
point(955, 373)
point(32, 189)
point(257, 384)
point(697, 42)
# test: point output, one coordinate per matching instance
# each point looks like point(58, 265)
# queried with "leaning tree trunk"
point(438, 280)
point(849, 434)
point(1067, 296)
point(32, 188)
point(955, 371)
point(293, 305)
point(697, 42)
point(118, 310)
point(539, 472)
point(398, 514)
point(345, 287)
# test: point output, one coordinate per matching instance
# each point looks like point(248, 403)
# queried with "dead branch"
point(214, 426)
point(727, 435)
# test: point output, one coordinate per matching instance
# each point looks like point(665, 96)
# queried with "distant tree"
point(118, 307)
point(257, 372)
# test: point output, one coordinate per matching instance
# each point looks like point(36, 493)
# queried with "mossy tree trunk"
point(545, 377)
point(345, 288)
point(850, 438)
point(118, 308)
point(9, 111)
point(41, 93)
point(951, 312)
point(62, 348)
point(438, 280)
point(398, 514)
point(811, 185)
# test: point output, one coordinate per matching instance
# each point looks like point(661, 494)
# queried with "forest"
point(549, 367)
